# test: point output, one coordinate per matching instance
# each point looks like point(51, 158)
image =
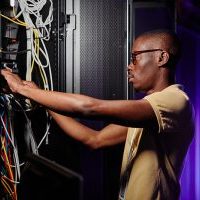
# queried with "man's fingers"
point(5, 71)
point(10, 70)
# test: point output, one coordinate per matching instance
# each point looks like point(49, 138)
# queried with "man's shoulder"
point(172, 107)
point(172, 98)
point(176, 89)
point(173, 93)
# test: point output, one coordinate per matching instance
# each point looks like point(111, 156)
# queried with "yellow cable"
point(22, 24)
point(37, 49)
point(37, 46)
point(7, 160)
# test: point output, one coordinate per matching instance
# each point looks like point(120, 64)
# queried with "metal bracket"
point(70, 22)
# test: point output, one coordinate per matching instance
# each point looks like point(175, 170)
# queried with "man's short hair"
point(170, 43)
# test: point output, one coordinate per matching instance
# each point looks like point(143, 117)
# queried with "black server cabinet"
point(88, 47)
point(103, 51)
point(88, 52)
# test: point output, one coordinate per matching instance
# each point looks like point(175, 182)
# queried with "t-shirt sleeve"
point(169, 107)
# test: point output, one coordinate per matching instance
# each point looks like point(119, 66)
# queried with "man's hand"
point(13, 80)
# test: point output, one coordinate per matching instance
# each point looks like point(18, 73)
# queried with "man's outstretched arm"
point(110, 135)
point(137, 113)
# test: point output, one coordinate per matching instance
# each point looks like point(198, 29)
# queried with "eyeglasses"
point(135, 53)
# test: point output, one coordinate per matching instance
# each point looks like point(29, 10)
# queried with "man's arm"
point(110, 135)
point(137, 113)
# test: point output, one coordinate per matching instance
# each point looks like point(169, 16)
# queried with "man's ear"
point(163, 58)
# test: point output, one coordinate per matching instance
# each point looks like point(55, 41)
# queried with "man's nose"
point(130, 66)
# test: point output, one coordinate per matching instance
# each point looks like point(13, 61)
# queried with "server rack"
point(92, 60)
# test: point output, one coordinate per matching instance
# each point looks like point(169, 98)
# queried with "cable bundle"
point(10, 166)
point(38, 30)
point(10, 171)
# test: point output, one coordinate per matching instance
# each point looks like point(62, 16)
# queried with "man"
point(160, 126)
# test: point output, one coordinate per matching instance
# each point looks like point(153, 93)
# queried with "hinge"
point(70, 22)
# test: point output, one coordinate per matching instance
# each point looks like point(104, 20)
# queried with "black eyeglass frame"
point(134, 54)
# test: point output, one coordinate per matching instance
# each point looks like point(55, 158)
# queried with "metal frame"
point(68, 32)
point(77, 48)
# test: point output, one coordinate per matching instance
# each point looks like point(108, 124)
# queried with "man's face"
point(143, 69)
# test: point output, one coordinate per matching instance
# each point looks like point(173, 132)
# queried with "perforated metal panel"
point(102, 75)
point(102, 48)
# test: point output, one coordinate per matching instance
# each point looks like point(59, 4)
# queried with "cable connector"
point(11, 65)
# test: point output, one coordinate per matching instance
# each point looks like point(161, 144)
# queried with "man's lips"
point(130, 78)
point(130, 75)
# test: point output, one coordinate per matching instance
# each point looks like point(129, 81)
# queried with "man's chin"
point(137, 89)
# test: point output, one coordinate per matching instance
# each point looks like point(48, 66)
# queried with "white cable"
point(45, 135)
point(29, 135)
point(11, 138)
point(30, 138)
point(11, 141)
point(31, 9)
point(15, 157)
